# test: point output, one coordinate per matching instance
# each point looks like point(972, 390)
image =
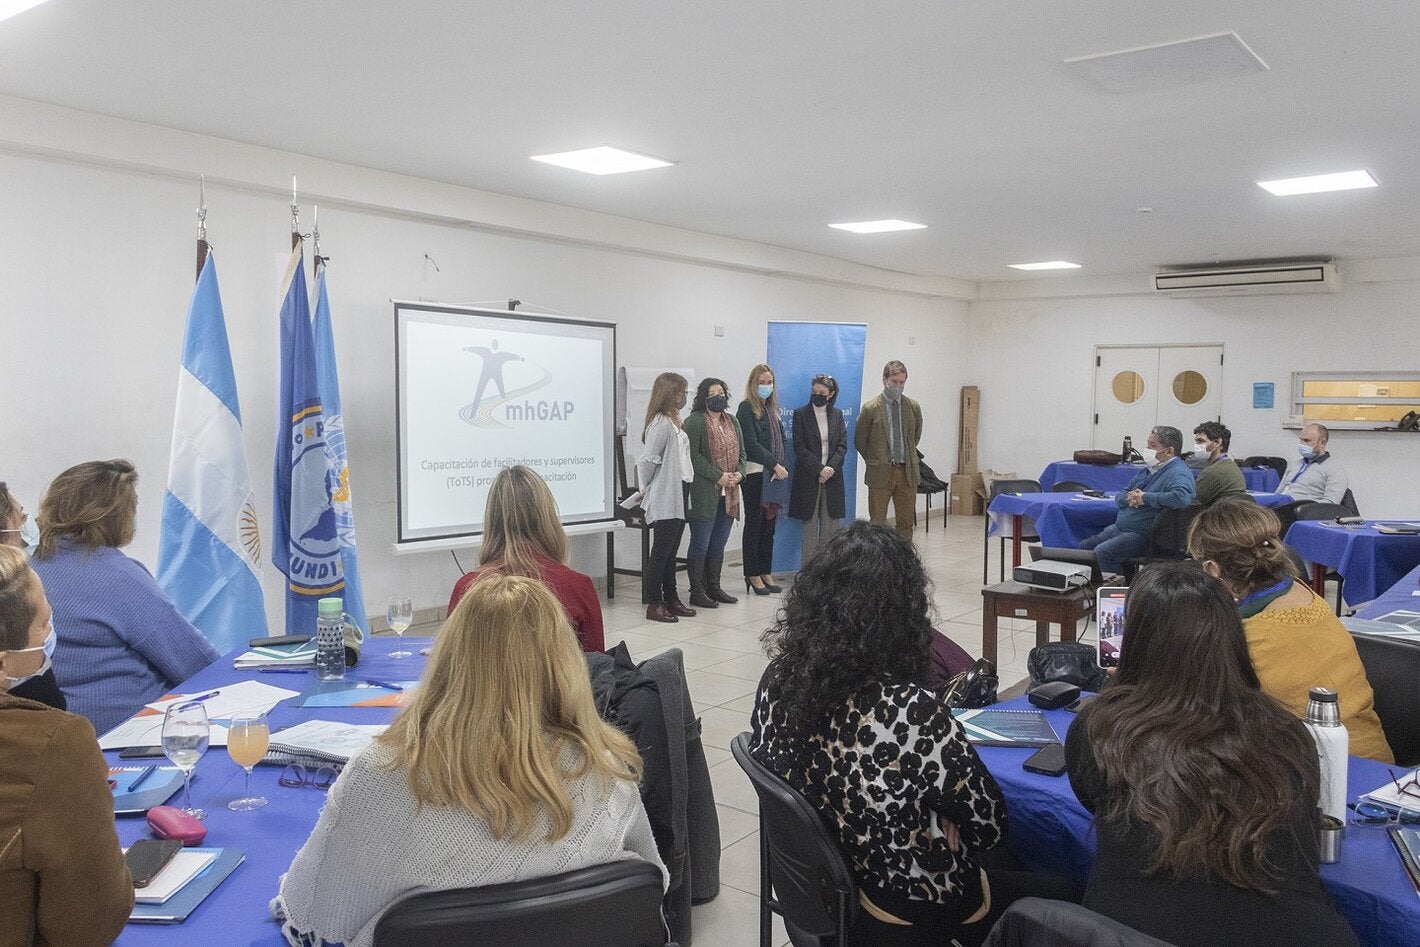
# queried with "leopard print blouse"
point(884, 770)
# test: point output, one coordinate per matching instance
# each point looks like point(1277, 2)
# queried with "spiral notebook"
point(993, 727)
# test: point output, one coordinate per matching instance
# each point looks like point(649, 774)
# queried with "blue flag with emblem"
point(328, 380)
point(209, 550)
point(305, 543)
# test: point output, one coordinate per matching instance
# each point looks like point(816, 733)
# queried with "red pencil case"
point(169, 822)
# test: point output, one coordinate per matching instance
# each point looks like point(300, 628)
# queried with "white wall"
point(97, 264)
point(1033, 356)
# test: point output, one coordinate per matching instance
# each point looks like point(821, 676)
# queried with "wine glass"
point(185, 735)
point(400, 615)
point(247, 740)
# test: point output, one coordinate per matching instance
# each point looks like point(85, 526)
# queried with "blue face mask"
point(1305, 450)
point(765, 391)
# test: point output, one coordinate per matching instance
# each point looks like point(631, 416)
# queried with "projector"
point(1052, 576)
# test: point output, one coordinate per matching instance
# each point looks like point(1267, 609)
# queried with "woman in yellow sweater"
point(1295, 641)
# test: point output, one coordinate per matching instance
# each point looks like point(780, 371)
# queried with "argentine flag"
point(305, 544)
point(329, 381)
point(209, 554)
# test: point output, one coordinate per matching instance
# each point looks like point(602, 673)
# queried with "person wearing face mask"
point(1220, 477)
point(63, 879)
point(766, 483)
point(820, 447)
point(1165, 484)
point(17, 528)
point(717, 454)
point(1315, 475)
point(889, 428)
point(664, 473)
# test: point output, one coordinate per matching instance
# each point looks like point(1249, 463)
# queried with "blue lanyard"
point(1301, 470)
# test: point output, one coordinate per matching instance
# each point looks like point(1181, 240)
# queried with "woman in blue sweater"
point(122, 643)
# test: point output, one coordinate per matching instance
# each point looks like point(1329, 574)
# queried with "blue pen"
point(283, 670)
point(201, 697)
point(143, 776)
point(385, 684)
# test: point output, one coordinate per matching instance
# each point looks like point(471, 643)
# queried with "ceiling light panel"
point(879, 226)
point(1048, 265)
point(1165, 65)
point(602, 160)
point(9, 8)
point(1319, 183)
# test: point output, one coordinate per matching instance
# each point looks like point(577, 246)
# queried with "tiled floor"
point(724, 659)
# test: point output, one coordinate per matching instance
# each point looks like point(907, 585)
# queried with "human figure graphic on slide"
point(479, 412)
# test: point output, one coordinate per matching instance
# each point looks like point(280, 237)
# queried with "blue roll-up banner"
point(797, 351)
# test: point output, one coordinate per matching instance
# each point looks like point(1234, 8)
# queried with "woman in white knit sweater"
point(498, 770)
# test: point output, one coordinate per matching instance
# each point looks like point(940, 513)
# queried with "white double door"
point(1139, 387)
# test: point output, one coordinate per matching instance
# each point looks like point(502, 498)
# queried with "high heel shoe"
point(769, 584)
point(757, 590)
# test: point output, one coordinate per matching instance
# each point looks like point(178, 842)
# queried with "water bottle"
point(1332, 746)
point(330, 639)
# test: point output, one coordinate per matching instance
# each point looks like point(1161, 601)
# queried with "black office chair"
point(929, 483)
point(1348, 500)
point(1069, 486)
point(1036, 922)
point(1393, 670)
point(617, 904)
point(1168, 541)
point(803, 876)
point(997, 488)
point(1278, 464)
point(1325, 511)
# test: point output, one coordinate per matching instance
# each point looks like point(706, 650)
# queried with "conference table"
point(1117, 476)
point(236, 912)
point(1048, 830)
point(1065, 519)
point(1403, 595)
point(1368, 560)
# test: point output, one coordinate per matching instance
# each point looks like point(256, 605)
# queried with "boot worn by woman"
point(656, 611)
point(698, 597)
point(676, 607)
point(712, 583)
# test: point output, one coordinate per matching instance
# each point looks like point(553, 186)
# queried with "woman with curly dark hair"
point(843, 714)
point(1204, 789)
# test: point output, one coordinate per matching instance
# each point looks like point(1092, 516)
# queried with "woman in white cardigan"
point(664, 473)
point(498, 770)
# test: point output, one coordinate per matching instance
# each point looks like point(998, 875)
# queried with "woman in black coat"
point(820, 447)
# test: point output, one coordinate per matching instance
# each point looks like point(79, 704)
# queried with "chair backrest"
point(810, 877)
point(1348, 500)
point(1321, 511)
point(1393, 669)
point(1170, 536)
point(617, 904)
point(1036, 922)
point(1278, 464)
point(1068, 486)
point(999, 487)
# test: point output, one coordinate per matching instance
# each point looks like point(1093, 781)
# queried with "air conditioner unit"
point(1258, 279)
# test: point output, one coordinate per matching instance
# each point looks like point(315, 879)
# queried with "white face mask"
point(48, 648)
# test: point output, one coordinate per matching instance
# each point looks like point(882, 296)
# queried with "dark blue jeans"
point(707, 537)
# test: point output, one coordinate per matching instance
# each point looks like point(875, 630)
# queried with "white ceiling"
point(786, 116)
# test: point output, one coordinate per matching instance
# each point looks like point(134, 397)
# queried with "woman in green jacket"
point(717, 453)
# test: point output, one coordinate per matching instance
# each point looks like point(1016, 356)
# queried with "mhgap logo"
point(494, 402)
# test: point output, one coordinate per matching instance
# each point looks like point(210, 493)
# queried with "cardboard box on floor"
point(966, 429)
point(964, 499)
point(982, 486)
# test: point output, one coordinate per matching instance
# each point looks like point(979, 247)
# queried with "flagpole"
point(295, 216)
point(317, 261)
point(202, 246)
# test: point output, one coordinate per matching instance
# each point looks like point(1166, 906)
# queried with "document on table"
point(145, 728)
point(324, 740)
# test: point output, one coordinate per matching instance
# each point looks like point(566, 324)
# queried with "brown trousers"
point(904, 502)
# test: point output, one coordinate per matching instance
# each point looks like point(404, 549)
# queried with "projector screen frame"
point(605, 522)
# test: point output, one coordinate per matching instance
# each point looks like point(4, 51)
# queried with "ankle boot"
point(696, 567)
point(658, 612)
point(712, 582)
point(676, 607)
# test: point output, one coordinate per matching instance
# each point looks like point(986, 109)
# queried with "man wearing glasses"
point(1166, 484)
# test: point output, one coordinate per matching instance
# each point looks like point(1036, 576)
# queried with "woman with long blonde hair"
point(523, 535)
point(498, 770)
point(664, 473)
point(766, 483)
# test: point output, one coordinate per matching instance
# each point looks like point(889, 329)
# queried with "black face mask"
point(818, 401)
point(717, 402)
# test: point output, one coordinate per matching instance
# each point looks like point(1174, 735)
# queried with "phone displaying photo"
point(1109, 615)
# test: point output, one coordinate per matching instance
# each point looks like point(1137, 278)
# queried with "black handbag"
point(1067, 661)
point(974, 687)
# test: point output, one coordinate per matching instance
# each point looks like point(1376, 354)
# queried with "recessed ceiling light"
point(602, 160)
point(9, 8)
point(1316, 183)
point(879, 226)
point(1048, 265)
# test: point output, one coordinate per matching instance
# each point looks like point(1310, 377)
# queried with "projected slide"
point(482, 389)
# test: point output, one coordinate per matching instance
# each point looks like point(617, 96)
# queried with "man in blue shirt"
point(1166, 484)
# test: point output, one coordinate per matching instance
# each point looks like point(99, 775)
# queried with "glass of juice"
point(247, 740)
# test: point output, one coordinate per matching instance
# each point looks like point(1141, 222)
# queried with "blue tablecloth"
point(1117, 477)
point(1396, 597)
point(1050, 831)
point(236, 913)
point(1067, 519)
point(1369, 561)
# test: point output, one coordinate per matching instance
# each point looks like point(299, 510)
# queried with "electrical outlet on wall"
point(719, 331)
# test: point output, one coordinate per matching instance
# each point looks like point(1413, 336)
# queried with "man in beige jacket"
point(889, 428)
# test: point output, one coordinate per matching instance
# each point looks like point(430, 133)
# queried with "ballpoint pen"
point(142, 777)
point(385, 684)
point(283, 670)
point(201, 697)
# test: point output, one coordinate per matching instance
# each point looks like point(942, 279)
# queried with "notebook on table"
point(993, 727)
point(154, 789)
point(322, 741)
point(185, 898)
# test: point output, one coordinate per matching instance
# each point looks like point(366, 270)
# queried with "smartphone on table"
point(1109, 617)
point(147, 856)
point(141, 753)
point(1049, 760)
